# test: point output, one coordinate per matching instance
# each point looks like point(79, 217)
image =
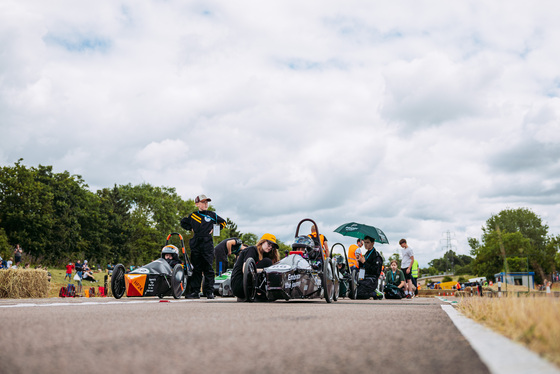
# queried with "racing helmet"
point(303, 243)
point(340, 260)
point(174, 251)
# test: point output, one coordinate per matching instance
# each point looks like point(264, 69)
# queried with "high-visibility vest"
point(322, 243)
point(414, 271)
point(352, 262)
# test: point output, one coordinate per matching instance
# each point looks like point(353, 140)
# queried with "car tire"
point(118, 286)
point(178, 281)
point(327, 282)
point(353, 285)
point(249, 280)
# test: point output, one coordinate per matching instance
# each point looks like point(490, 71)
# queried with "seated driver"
point(170, 253)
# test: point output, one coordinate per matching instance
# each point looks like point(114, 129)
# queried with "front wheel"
point(353, 289)
point(178, 281)
point(250, 280)
point(327, 281)
point(118, 286)
point(336, 281)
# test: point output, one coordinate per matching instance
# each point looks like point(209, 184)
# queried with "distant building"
point(517, 279)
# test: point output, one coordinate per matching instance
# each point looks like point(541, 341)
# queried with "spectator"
point(68, 271)
point(79, 269)
point(9, 263)
point(49, 275)
point(396, 277)
point(354, 251)
point(88, 276)
point(406, 267)
point(17, 254)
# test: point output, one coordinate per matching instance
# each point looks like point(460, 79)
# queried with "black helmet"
point(303, 242)
point(340, 259)
point(172, 250)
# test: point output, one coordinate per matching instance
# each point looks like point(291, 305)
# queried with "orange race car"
point(166, 276)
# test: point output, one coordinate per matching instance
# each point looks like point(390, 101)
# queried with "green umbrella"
point(358, 230)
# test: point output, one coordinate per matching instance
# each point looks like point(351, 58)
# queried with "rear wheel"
point(118, 286)
point(327, 281)
point(353, 285)
point(250, 280)
point(336, 281)
point(178, 281)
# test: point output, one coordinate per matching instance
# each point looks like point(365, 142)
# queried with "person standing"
point(202, 223)
point(414, 274)
point(17, 254)
point(354, 251)
point(69, 268)
point(79, 269)
point(406, 267)
point(224, 249)
point(322, 241)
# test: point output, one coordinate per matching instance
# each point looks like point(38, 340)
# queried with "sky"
point(421, 118)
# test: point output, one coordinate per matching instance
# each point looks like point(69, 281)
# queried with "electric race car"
point(306, 273)
point(156, 278)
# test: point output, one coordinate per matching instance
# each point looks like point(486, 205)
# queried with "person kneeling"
point(265, 254)
point(370, 265)
point(395, 282)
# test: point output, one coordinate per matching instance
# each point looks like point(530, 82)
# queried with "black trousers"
point(221, 258)
point(202, 258)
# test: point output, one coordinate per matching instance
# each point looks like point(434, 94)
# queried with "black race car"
point(304, 274)
point(156, 278)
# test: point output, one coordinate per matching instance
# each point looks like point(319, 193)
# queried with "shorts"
point(407, 277)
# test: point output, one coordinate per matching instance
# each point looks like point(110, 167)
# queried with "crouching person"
point(370, 265)
point(265, 254)
point(395, 282)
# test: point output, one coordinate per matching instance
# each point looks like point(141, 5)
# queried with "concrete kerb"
point(500, 354)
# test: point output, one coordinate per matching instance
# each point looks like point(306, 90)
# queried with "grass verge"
point(534, 322)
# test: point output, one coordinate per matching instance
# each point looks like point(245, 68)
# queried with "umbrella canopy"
point(358, 230)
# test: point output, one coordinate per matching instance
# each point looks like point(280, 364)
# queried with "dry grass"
point(23, 283)
point(534, 322)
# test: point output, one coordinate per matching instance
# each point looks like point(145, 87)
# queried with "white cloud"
point(415, 121)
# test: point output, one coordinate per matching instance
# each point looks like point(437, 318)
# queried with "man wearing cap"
point(202, 246)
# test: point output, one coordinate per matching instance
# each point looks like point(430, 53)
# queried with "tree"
point(520, 233)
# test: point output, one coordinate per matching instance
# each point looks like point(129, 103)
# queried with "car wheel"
point(327, 281)
point(178, 281)
point(250, 280)
point(336, 281)
point(353, 289)
point(118, 286)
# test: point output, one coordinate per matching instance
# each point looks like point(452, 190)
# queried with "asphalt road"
point(143, 335)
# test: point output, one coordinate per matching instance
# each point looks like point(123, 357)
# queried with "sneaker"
point(193, 295)
point(408, 296)
point(210, 296)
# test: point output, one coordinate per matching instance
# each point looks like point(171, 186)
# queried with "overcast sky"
point(417, 117)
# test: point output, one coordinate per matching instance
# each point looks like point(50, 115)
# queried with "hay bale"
point(23, 283)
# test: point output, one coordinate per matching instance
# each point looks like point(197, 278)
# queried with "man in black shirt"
point(202, 246)
point(224, 249)
point(371, 264)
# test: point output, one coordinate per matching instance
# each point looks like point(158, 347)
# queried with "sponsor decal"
point(279, 267)
point(292, 277)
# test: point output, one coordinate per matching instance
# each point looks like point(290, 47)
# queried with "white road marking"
point(500, 354)
point(28, 305)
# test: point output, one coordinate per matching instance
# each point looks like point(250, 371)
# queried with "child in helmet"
point(170, 253)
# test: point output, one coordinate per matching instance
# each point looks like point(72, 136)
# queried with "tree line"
point(57, 219)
